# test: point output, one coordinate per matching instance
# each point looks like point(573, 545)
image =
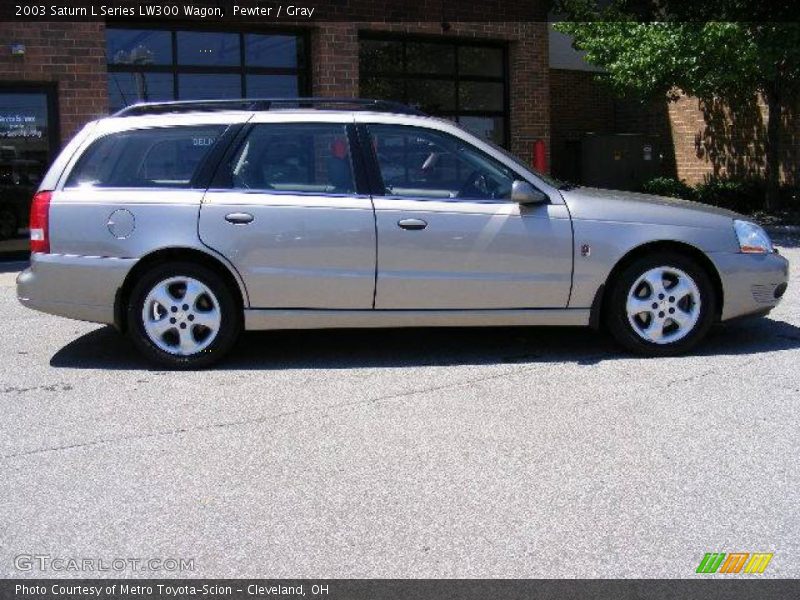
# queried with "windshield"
point(548, 179)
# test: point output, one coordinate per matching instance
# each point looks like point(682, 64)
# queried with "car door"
point(449, 237)
point(284, 209)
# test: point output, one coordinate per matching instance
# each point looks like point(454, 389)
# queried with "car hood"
point(611, 205)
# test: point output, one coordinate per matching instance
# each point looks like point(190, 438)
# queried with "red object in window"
point(40, 222)
point(339, 148)
point(539, 156)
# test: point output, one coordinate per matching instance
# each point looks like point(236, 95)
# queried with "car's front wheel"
point(183, 315)
point(661, 305)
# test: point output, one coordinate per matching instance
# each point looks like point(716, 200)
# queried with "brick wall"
point(713, 139)
point(72, 55)
point(700, 139)
point(334, 60)
point(578, 105)
point(334, 48)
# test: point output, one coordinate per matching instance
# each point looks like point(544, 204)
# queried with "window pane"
point(271, 50)
point(23, 127)
point(24, 156)
point(208, 49)
point(490, 128)
point(272, 86)
point(138, 47)
point(428, 80)
point(424, 164)
point(165, 157)
point(432, 96)
point(383, 88)
point(480, 61)
point(478, 95)
point(381, 56)
point(305, 158)
point(431, 58)
point(125, 89)
point(209, 87)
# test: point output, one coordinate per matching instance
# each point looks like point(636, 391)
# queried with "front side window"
point(431, 165)
point(143, 158)
point(304, 158)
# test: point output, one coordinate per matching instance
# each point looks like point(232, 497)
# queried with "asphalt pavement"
point(513, 452)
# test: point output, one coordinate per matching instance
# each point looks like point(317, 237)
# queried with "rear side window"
point(145, 158)
point(292, 158)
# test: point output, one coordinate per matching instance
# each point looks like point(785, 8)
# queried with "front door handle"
point(239, 218)
point(412, 224)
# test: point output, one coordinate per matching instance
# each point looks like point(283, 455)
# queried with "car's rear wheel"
point(183, 315)
point(661, 305)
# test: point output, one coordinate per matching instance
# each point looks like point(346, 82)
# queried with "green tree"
point(729, 60)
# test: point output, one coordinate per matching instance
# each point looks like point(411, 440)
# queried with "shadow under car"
point(105, 348)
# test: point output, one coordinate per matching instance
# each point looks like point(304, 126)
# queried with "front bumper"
point(751, 283)
point(76, 287)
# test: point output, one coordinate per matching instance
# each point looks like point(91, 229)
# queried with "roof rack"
point(257, 104)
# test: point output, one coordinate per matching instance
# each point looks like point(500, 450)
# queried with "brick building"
point(492, 77)
point(468, 73)
point(511, 81)
point(689, 139)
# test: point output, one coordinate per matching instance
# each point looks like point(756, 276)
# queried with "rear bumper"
point(76, 287)
point(750, 282)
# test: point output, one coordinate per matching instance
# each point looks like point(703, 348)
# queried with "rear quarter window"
point(145, 158)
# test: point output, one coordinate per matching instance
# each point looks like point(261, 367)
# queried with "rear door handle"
point(412, 224)
point(239, 218)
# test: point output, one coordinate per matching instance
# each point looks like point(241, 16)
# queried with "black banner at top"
point(211, 11)
point(305, 11)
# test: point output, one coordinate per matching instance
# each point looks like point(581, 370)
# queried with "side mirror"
point(523, 192)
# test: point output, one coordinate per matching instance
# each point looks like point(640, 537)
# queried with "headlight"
point(752, 238)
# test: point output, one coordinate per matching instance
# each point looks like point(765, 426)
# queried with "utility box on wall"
point(622, 161)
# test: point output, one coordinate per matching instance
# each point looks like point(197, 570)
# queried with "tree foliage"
point(651, 49)
point(723, 59)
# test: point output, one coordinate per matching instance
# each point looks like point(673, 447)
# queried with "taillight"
point(40, 222)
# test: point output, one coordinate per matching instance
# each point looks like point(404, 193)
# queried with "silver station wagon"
point(184, 223)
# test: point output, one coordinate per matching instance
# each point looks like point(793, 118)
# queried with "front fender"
point(609, 242)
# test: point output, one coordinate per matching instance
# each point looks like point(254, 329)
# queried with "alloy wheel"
point(181, 315)
point(663, 305)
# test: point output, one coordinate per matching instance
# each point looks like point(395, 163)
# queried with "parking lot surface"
point(515, 452)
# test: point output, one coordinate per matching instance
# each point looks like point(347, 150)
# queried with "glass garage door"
point(461, 80)
point(165, 64)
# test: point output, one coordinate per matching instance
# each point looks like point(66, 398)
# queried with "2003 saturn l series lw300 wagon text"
point(183, 223)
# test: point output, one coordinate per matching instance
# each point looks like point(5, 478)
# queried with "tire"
point(668, 324)
point(183, 316)
point(8, 224)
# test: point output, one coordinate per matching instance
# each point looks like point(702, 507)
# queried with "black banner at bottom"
point(401, 589)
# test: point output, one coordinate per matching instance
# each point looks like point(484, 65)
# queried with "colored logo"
point(734, 562)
